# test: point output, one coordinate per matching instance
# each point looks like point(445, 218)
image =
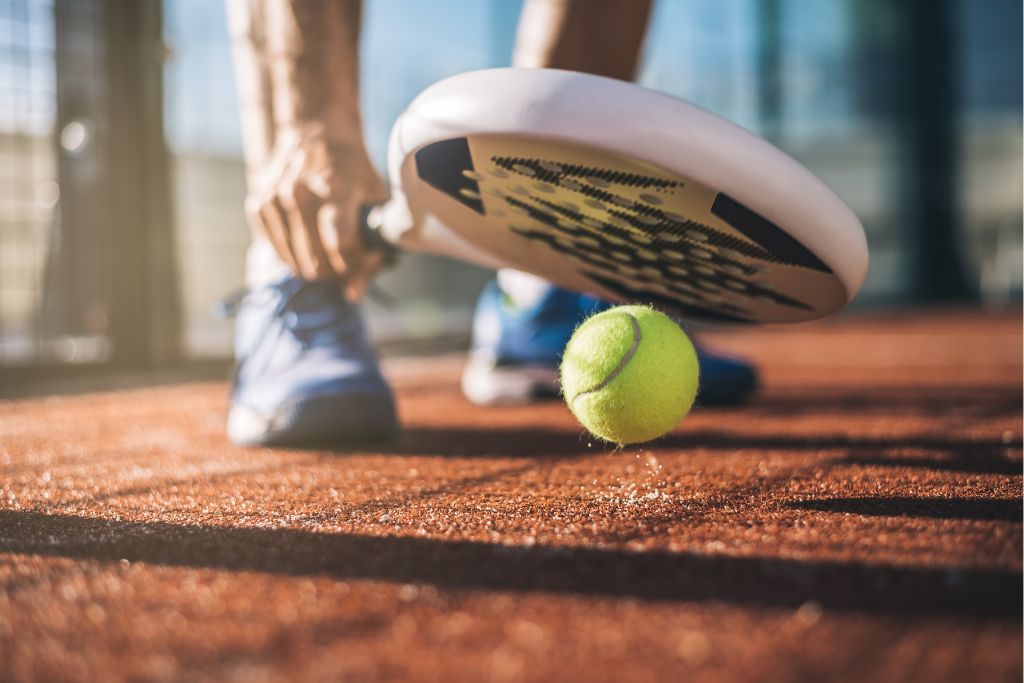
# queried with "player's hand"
point(307, 201)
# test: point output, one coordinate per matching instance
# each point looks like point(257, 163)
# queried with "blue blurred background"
point(121, 182)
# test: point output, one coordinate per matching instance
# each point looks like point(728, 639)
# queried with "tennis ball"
point(629, 374)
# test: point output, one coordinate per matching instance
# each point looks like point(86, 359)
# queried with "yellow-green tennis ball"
point(629, 374)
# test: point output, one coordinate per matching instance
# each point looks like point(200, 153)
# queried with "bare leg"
point(602, 37)
point(247, 24)
point(252, 75)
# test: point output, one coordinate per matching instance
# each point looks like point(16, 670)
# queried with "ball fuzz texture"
point(629, 374)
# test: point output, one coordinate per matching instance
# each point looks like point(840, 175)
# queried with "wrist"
point(344, 130)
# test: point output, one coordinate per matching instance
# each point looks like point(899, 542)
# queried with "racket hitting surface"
point(608, 188)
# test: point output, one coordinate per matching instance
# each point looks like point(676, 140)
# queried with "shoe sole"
point(486, 384)
point(323, 420)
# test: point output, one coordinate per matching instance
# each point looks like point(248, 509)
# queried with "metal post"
point(146, 319)
point(928, 126)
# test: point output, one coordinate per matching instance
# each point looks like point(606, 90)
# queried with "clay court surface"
point(861, 520)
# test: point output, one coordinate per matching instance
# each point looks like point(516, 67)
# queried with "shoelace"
point(328, 317)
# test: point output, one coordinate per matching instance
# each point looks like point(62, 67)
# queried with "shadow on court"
point(649, 576)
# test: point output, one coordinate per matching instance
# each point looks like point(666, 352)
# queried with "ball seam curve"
point(623, 362)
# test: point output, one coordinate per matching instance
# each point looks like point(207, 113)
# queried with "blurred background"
point(121, 180)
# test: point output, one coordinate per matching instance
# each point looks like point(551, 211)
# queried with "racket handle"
point(370, 220)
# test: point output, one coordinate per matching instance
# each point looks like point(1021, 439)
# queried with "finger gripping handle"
point(369, 232)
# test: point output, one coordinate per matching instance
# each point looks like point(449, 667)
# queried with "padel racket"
point(605, 187)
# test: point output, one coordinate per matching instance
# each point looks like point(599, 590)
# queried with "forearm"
point(296, 64)
point(312, 50)
point(308, 171)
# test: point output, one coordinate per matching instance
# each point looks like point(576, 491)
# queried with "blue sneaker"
point(306, 373)
point(516, 351)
